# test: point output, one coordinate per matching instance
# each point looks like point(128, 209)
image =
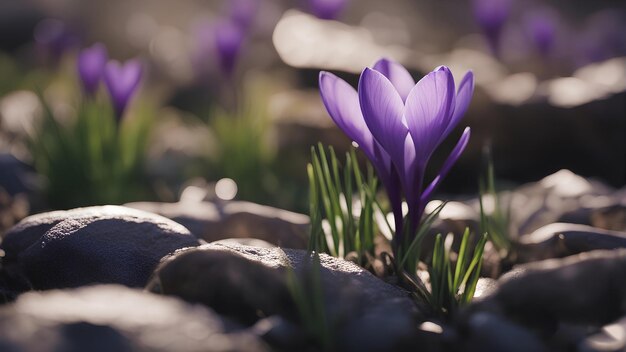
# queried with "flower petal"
point(397, 75)
point(342, 103)
point(121, 82)
point(427, 111)
point(447, 165)
point(463, 98)
point(382, 108)
point(90, 64)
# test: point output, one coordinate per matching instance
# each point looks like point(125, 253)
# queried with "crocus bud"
point(90, 65)
point(327, 9)
point(491, 15)
point(55, 38)
point(541, 27)
point(122, 82)
point(243, 12)
point(228, 40)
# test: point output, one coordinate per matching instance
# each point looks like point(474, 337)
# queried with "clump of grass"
point(307, 293)
point(93, 158)
point(453, 285)
point(497, 221)
point(337, 226)
point(243, 150)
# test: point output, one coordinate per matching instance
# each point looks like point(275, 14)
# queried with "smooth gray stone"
point(381, 315)
point(562, 239)
point(115, 318)
point(104, 244)
point(588, 288)
point(235, 219)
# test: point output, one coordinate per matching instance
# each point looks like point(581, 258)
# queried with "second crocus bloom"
point(122, 81)
point(90, 65)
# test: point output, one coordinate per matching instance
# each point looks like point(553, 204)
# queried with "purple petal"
point(91, 62)
point(122, 82)
point(412, 172)
point(491, 16)
point(55, 37)
point(397, 75)
point(229, 38)
point(541, 27)
point(463, 98)
point(342, 103)
point(243, 12)
point(382, 108)
point(327, 9)
point(428, 110)
point(447, 165)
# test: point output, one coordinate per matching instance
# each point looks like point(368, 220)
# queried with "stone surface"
point(491, 332)
point(227, 282)
point(611, 216)
point(105, 244)
point(379, 314)
point(587, 288)
point(543, 202)
point(611, 338)
point(15, 176)
point(216, 221)
point(562, 239)
point(115, 318)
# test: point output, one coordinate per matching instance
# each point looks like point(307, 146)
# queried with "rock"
point(228, 282)
point(104, 244)
point(608, 217)
point(491, 332)
point(561, 240)
point(251, 242)
point(12, 209)
point(587, 288)
point(16, 176)
point(380, 315)
point(216, 221)
point(484, 288)
point(543, 202)
point(281, 334)
point(115, 318)
point(611, 338)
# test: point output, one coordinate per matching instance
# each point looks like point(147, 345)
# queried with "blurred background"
point(231, 86)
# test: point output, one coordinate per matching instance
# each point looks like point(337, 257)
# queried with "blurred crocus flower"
point(122, 82)
point(229, 38)
point(491, 15)
point(399, 124)
point(243, 12)
point(327, 9)
point(601, 38)
point(55, 37)
point(91, 62)
point(541, 27)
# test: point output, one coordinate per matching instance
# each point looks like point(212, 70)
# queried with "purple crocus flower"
point(491, 16)
point(122, 82)
point(541, 27)
point(398, 124)
point(327, 9)
point(243, 12)
point(90, 65)
point(55, 37)
point(228, 40)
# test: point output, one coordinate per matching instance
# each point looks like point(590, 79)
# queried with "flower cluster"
point(121, 80)
point(398, 124)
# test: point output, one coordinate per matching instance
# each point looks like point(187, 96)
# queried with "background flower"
point(122, 82)
point(90, 65)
